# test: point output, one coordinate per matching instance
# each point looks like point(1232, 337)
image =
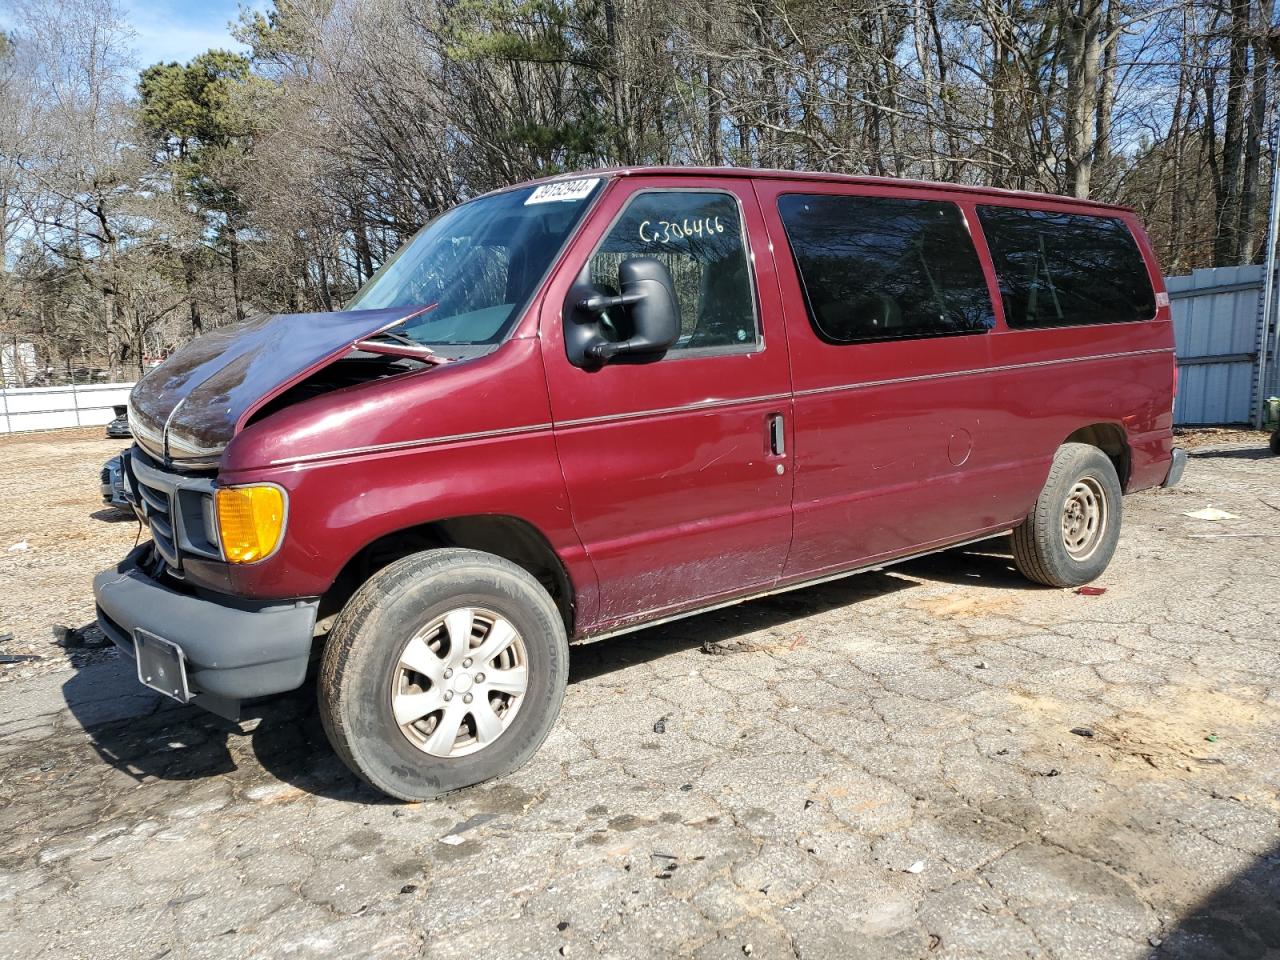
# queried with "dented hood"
point(187, 409)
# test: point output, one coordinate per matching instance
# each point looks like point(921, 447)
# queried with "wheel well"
point(508, 537)
point(1110, 439)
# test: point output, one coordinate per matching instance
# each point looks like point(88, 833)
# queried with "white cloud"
point(177, 30)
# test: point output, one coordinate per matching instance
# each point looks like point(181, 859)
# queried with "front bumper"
point(233, 649)
point(1176, 467)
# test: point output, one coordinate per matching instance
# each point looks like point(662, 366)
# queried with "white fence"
point(48, 408)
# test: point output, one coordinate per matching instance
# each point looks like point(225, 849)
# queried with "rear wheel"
point(445, 669)
point(1070, 535)
point(1275, 443)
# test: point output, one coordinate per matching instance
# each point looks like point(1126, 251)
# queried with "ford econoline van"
point(580, 406)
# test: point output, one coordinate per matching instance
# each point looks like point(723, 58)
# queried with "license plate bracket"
point(161, 665)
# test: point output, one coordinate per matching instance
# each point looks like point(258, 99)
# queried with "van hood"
point(186, 410)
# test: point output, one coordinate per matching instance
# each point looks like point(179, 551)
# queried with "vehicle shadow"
point(149, 737)
point(986, 564)
point(113, 515)
point(725, 626)
point(1241, 919)
point(1237, 453)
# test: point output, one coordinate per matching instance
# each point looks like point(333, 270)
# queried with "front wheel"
point(1070, 535)
point(445, 669)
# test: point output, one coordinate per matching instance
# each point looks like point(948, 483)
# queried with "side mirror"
point(649, 297)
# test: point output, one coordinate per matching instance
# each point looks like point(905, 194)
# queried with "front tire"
point(1070, 535)
point(445, 669)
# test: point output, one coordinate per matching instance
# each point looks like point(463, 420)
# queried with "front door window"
point(698, 235)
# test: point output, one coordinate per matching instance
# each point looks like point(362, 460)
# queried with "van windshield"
point(478, 265)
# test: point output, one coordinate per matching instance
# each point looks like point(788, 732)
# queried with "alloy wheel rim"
point(1084, 518)
point(459, 682)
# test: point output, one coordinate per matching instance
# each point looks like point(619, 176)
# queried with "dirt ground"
point(1195, 438)
point(939, 760)
point(50, 502)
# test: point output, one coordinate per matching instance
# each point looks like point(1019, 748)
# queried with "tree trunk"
point(193, 302)
point(999, 97)
point(1226, 246)
point(364, 256)
point(927, 88)
point(1106, 95)
point(617, 89)
point(233, 256)
point(944, 92)
point(1082, 37)
point(713, 117)
point(1177, 138)
point(1246, 243)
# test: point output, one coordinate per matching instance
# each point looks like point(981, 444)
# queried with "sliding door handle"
point(777, 435)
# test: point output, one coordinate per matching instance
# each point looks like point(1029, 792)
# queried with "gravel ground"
point(934, 761)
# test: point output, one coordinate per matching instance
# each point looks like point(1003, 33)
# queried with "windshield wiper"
point(401, 345)
point(397, 337)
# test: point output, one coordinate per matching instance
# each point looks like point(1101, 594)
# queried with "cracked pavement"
point(883, 766)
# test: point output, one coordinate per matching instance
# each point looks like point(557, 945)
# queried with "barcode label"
point(562, 190)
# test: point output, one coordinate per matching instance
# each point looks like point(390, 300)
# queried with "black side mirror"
point(649, 297)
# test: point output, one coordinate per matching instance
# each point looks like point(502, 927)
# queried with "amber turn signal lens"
point(250, 521)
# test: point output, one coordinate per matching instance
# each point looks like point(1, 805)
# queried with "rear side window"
point(877, 268)
point(1065, 269)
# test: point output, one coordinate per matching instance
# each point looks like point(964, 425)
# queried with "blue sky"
point(180, 29)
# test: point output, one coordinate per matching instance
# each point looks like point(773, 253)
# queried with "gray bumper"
point(233, 649)
point(1176, 467)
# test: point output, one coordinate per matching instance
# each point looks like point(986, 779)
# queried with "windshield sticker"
point(562, 190)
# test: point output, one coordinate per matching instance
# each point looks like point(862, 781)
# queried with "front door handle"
point(777, 435)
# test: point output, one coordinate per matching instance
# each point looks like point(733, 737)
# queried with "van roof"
point(770, 174)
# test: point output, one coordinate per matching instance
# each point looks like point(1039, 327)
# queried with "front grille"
point(177, 508)
point(157, 507)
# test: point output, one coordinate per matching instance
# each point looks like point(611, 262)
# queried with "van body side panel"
point(675, 494)
point(1053, 381)
point(459, 440)
point(902, 443)
point(893, 442)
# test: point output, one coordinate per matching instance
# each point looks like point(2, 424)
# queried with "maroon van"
point(580, 406)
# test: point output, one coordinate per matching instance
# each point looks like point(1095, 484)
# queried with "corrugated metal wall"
point(1217, 320)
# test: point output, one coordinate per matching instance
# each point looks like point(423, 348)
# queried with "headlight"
point(250, 521)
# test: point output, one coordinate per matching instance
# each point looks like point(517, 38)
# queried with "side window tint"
point(1064, 269)
point(698, 235)
point(876, 268)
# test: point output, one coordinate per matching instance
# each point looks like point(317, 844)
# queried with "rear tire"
point(445, 669)
point(1070, 535)
point(1275, 443)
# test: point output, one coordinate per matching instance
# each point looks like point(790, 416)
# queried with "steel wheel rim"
point(1084, 518)
point(459, 682)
